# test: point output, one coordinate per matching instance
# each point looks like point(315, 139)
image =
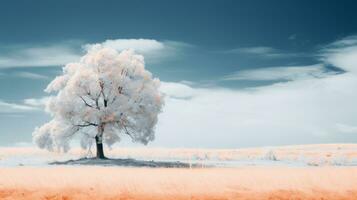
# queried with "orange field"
point(162, 183)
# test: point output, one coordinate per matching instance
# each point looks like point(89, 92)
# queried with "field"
point(294, 172)
point(146, 183)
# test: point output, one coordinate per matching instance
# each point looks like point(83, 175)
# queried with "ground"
point(163, 183)
point(297, 172)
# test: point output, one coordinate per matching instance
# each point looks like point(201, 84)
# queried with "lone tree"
point(102, 96)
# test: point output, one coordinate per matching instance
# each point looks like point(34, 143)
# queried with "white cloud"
point(152, 50)
point(176, 90)
point(296, 112)
point(342, 54)
point(37, 102)
point(9, 108)
point(280, 73)
point(140, 45)
point(303, 110)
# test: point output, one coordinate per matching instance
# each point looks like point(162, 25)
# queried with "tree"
point(104, 95)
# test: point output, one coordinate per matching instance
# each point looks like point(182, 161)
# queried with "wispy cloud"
point(255, 50)
point(39, 56)
point(59, 54)
point(292, 37)
point(24, 74)
point(11, 108)
point(30, 75)
point(26, 106)
point(37, 102)
point(345, 128)
point(342, 43)
point(264, 51)
point(281, 73)
point(342, 54)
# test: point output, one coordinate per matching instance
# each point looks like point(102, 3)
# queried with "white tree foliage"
point(105, 94)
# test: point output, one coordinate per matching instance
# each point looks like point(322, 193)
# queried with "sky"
point(235, 73)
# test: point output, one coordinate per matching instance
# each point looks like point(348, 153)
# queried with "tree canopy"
point(104, 95)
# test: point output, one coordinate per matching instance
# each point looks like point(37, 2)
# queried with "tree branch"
point(85, 125)
point(95, 99)
point(128, 133)
point(85, 102)
point(75, 131)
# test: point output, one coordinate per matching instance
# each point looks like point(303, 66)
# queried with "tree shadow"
point(125, 163)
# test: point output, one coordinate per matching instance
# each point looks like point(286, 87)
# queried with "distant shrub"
point(270, 155)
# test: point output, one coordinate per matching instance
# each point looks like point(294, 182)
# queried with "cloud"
point(314, 107)
point(292, 37)
point(30, 105)
point(342, 43)
point(39, 56)
point(281, 73)
point(295, 112)
point(71, 51)
point(177, 90)
point(24, 74)
point(37, 102)
point(263, 51)
point(344, 128)
point(11, 108)
point(30, 75)
point(152, 50)
point(140, 45)
point(256, 50)
point(341, 54)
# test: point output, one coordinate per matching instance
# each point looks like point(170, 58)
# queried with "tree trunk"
point(100, 152)
point(99, 142)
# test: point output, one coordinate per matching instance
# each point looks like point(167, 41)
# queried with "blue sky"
point(230, 68)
